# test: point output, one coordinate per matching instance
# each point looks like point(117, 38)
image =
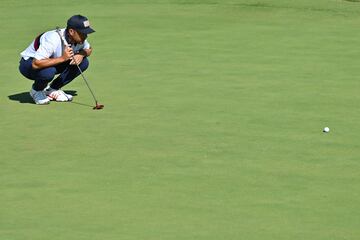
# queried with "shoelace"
point(54, 94)
point(58, 93)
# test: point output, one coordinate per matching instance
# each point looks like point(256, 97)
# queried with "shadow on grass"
point(23, 97)
point(82, 104)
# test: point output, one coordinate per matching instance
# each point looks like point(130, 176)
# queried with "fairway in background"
point(212, 127)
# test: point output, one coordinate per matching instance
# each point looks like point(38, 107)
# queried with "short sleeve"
point(86, 44)
point(47, 48)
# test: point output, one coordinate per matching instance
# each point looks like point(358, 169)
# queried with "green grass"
point(212, 127)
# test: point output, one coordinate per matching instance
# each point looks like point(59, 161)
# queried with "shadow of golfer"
point(25, 97)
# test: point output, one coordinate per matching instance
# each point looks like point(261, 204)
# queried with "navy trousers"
point(42, 77)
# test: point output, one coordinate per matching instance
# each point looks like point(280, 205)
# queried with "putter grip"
point(62, 37)
point(64, 42)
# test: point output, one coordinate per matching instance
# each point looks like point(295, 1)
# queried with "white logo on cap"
point(86, 23)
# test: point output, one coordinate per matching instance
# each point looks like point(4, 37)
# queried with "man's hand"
point(68, 53)
point(78, 59)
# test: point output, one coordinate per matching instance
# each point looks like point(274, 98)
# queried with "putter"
point(97, 105)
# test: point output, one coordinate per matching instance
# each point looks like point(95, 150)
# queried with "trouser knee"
point(46, 74)
point(84, 64)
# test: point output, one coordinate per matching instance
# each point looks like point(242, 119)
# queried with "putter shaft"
point(81, 72)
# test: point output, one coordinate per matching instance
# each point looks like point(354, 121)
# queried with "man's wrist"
point(83, 53)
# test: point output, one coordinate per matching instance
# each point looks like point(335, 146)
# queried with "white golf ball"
point(326, 130)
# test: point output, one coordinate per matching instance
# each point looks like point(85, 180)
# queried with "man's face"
point(76, 36)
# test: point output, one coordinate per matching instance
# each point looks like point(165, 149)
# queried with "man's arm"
point(86, 52)
point(48, 62)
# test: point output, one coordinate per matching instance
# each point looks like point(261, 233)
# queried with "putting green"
point(212, 126)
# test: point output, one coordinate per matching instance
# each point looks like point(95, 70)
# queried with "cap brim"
point(86, 30)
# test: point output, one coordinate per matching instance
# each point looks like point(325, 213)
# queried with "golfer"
point(56, 52)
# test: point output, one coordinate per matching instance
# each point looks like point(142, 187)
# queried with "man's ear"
point(71, 31)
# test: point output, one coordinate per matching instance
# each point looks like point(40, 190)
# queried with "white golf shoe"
point(39, 97)
point(57, 95)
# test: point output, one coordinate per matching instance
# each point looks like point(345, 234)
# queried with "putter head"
point(98, 106)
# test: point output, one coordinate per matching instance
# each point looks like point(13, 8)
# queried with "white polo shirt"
point(51, 46)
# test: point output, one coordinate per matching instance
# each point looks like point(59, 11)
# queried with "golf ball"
point(326, 129)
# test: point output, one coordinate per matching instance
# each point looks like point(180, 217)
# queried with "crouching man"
point(56, 52)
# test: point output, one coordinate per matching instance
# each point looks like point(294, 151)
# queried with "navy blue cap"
point(80, 23)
